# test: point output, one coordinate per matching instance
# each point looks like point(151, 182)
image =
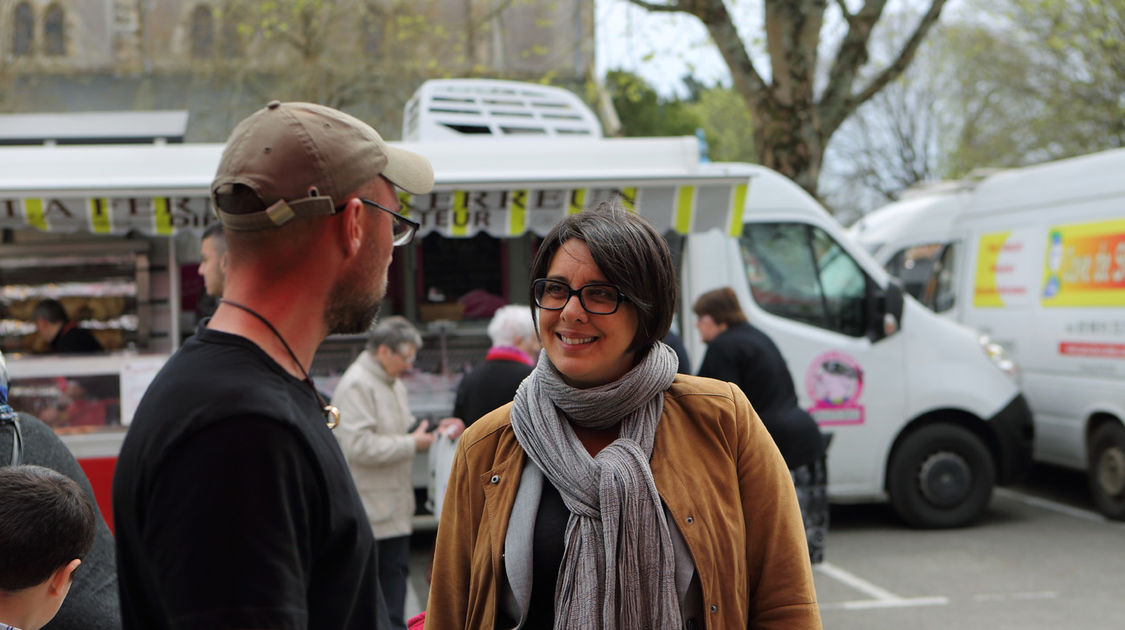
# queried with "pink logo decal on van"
point(834, 381)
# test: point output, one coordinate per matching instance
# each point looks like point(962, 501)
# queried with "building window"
point(23, 29)
point(202, 32)
point(54, 31)
point(232, 33)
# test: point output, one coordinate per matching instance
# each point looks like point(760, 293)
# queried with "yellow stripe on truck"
point(99, 215)
point(162, 211)
point(685, 197)
point(33, 208)
point(739, 203)
point(460, 223)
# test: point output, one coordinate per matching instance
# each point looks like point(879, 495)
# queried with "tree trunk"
point(789, 144)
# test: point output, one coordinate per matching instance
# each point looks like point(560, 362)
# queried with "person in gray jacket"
point(92, 603)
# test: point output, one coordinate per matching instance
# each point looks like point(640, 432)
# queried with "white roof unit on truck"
point(1035, 258)
point(451, 108)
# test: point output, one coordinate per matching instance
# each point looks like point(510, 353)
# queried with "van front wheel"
point(940, 476)
point(1106, 473)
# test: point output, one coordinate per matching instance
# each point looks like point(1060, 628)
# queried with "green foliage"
point(719, 111)
point(643, 112)
point(727, 125)
point(1038, 80)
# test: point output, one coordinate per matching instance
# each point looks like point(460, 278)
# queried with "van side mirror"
point(886, 309)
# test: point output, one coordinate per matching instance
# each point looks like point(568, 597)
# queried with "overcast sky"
point(661, 48)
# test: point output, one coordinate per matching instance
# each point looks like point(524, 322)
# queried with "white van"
point(920, 413)
point(1035, 259)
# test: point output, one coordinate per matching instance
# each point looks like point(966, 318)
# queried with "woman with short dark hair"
point(614, 492)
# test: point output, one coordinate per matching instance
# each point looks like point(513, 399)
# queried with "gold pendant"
point(332, 413)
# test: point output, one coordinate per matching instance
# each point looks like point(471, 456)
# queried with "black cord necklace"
point(331, 413)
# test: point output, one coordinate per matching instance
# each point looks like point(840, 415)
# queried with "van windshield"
point(799, 272)
point(926, 272)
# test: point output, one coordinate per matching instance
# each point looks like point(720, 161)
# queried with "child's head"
point(47, 526)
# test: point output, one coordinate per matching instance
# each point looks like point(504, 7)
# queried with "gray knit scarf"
point(618, 570)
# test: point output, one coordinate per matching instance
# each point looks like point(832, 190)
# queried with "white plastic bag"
point(441, 463)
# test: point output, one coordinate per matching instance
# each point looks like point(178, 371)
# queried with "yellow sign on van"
point(1004, 270)
point(1085, 265)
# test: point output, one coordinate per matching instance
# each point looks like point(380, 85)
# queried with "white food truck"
point(921, 414)
point(1034, 258)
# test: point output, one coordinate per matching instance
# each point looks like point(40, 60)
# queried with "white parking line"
point(881, 597)
point(1025, 596)
point(1036, 595)
point(868, 604)
point(1054, 506)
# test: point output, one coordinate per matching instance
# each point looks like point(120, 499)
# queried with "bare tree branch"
point(714, 15)
point(497, 9)
point(895, 69)
point(662, 8)
point(835, 102)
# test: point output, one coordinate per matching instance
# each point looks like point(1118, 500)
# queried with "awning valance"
point(513, 211)
point(455, 213)
point(153, 216)
point(502, 188)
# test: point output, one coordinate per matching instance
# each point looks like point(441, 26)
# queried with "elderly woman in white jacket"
point(374, 433)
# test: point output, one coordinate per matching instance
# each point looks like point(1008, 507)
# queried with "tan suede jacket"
point(717, 470)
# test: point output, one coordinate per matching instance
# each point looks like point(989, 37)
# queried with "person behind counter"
point(214, 259)
point(614, 492)
point(58, 334)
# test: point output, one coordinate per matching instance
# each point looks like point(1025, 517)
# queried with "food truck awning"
point(503, 187)
point(124, 127)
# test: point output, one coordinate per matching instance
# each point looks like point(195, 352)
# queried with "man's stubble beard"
point(351, 308)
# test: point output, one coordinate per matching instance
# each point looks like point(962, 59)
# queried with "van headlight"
point(999, 357)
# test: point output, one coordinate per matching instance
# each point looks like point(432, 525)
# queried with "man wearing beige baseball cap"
point(234, 507)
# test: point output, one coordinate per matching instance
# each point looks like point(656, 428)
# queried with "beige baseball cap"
point(302, 159)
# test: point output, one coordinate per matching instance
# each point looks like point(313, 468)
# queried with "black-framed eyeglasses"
point(597, 298)
point(402, 228)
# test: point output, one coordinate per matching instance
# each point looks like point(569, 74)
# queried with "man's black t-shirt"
point(233, 504)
